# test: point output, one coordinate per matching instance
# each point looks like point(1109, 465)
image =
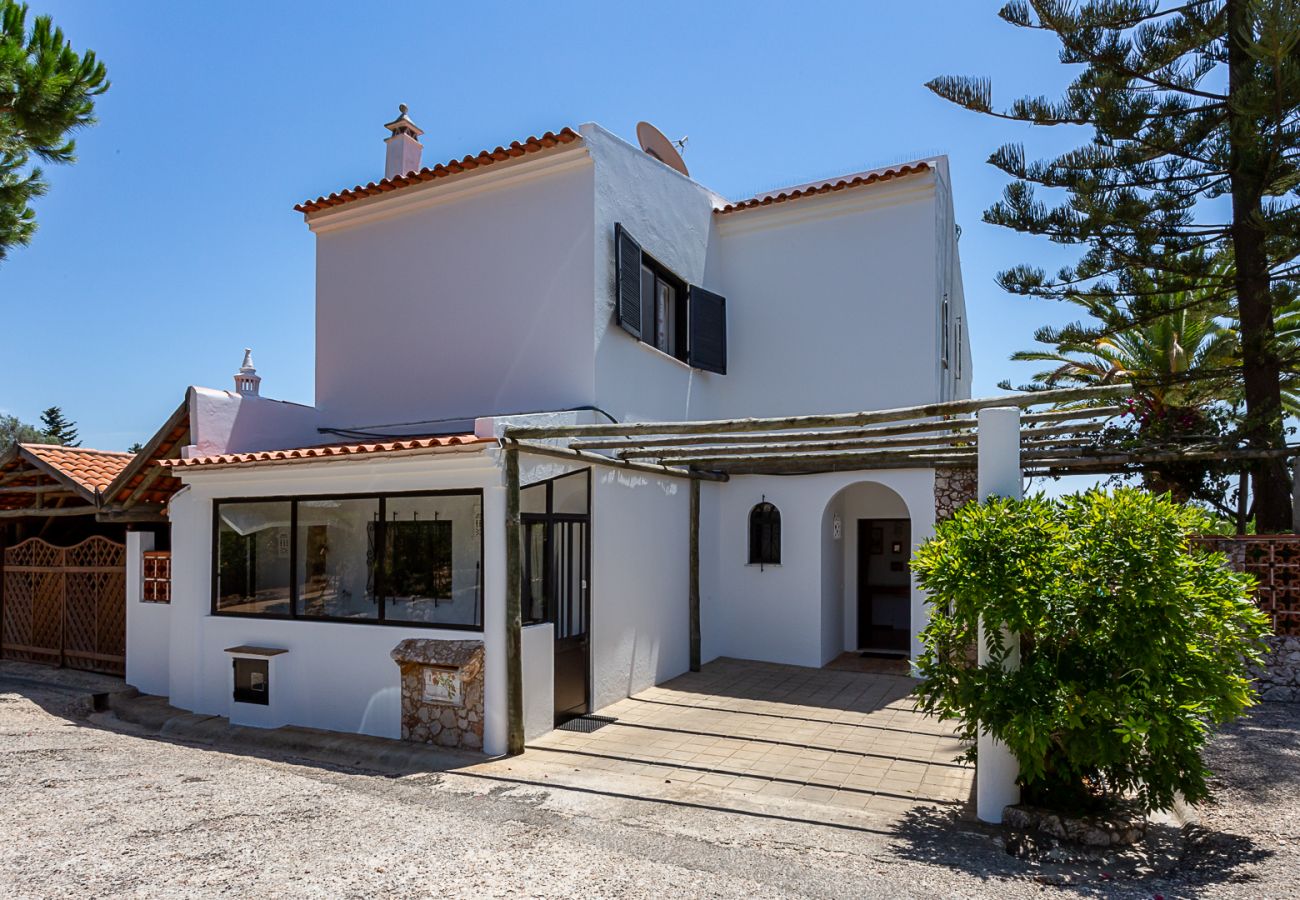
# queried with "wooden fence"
point(65, 605)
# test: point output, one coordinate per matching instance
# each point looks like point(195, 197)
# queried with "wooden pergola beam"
point(137, 494)
point(670, 455)
point(1122, 461)
point(514, 608)
point(41, 513)
point(597, 460)
point(937, 425)
point(900, 459)
point(799, 447)
point(46, 489)
point(722, 426)
point(694, 590)
point(1058, 415)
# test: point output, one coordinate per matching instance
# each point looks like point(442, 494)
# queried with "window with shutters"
point(665, 297)
point(660, 309)
point(764, 535)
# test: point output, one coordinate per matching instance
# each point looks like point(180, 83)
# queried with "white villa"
point(344, 565)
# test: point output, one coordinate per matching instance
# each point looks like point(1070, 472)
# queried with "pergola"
point(48, 481)
point(1058, 431)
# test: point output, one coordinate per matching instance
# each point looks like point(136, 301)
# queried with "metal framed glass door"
point(557, 576)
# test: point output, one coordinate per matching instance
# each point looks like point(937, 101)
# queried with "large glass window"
point(336, 556)
point(433, 572)
point(400, 558)
point(253, 553)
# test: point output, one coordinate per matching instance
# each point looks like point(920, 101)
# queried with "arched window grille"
point(765, 535)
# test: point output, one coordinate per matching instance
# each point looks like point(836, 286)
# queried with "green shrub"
point(1133, 643)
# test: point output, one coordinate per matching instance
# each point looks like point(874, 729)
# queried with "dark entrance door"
point(884, 585)
point(557, 575)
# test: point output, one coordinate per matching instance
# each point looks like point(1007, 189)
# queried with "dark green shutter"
point(627, 285)
point(708, 330)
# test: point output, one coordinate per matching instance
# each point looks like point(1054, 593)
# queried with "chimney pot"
point(404, 147)
point(247, 381)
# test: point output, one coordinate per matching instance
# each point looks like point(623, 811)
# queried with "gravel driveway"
point(93, 811)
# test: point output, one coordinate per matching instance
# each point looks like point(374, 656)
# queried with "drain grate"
point(586, 724)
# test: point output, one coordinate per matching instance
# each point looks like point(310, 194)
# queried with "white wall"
point(148, 625)
point(791, 613)
point(955, 379)
point(228, 422)
point(337, 676)
point(538, 652)
point(459, 298)
point(493, 293)
point(640, 592)
point(671, 217)
point(831, 302)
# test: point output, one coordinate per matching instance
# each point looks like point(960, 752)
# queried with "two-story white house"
point(568, 278)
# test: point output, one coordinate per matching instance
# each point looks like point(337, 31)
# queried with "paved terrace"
point(848, 739)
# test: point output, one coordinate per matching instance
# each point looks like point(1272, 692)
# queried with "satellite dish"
point(654, 143)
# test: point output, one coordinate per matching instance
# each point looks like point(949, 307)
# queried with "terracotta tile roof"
point(332, 451)
point(55, 473)
point(93, 470)
point(826, 187)
point(516, 149)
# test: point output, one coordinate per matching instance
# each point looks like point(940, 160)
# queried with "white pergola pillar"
point(1000, 475)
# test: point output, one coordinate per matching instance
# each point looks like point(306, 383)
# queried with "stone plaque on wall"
point(442, 691)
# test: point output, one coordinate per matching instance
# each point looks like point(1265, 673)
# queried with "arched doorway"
point(867, 592)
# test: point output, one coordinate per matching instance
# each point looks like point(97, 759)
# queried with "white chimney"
point(247, 381)
point(404, 146)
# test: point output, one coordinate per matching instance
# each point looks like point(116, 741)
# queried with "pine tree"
point(1194, 155)
point(47, 91)
point(58, 428)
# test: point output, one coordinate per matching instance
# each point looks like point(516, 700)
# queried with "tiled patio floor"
point(848, 739)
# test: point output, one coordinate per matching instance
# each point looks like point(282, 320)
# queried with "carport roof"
point(31, 475)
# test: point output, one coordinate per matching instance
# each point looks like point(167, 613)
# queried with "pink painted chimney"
point(403, 156)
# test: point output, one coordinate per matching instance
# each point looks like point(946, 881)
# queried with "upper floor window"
point(655, 306)
point(669, 315)
point(765, 535)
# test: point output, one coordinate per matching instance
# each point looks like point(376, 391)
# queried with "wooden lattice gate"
point(65, 605)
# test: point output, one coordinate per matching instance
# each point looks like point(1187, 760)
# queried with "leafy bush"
point(1133, 643)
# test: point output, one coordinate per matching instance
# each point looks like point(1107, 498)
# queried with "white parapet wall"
point(539, 679)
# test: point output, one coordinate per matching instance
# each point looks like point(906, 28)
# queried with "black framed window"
point(765, 535)
point(254, 552)
point(410, 559)
point(664, 298)
point(556, 561)
point(658, 308)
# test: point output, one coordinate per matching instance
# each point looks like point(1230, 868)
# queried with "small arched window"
point(765, 535)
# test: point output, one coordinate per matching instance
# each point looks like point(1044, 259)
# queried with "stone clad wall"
point(442, 692)
point(1278, 680)
point(953, 488)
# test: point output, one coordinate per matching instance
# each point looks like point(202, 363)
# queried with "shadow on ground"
point(1172, 862)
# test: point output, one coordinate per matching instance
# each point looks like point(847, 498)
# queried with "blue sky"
point(172, 243)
